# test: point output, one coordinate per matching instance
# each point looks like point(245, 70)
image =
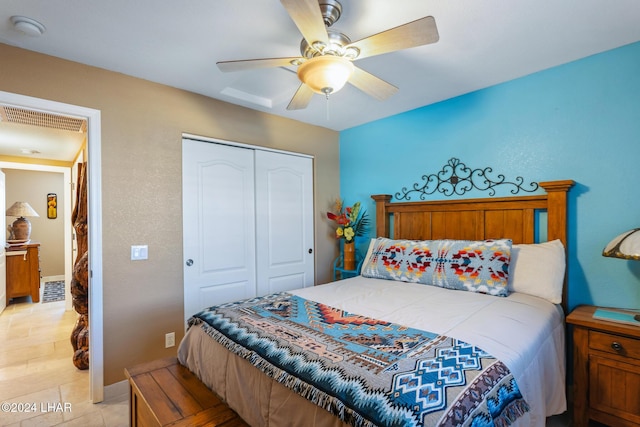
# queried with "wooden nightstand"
point(606, 370)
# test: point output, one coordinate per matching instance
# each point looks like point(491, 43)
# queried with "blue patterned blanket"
point(365, 371)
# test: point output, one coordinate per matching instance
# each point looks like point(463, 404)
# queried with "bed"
point(383, 348)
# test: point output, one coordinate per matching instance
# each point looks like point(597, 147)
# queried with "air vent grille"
point(38, 118)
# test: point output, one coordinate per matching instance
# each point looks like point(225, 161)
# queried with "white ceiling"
point(35, 142)
point(177, 43)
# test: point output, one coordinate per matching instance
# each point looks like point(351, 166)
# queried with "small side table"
point(339, 272)
point(606, 370)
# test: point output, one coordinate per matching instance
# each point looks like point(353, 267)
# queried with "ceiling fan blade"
point(301, 99)
point(417, 33)
point(308, 18)
point(372, 85)
point(250, 64)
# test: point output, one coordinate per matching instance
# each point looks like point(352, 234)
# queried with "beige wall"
point(142, 124)
point(32, 187)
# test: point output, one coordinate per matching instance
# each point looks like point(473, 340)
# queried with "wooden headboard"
point(477, 219)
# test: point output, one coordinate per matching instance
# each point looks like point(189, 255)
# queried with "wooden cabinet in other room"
point(23, 272)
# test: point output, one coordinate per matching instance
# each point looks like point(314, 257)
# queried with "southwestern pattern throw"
point(476, 266)
point(365, 371)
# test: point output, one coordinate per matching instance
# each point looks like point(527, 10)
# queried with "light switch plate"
point(139, 252)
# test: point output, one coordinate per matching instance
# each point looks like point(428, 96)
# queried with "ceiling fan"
point(326, 61)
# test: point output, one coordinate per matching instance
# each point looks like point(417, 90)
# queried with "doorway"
point(94, 192)
point(57, 243)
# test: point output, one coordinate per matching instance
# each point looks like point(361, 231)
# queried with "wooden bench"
point(165, 393)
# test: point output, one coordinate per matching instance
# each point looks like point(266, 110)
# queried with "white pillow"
point(538, 270)
point(365, 261)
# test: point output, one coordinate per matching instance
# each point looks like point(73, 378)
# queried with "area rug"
point(53, 291)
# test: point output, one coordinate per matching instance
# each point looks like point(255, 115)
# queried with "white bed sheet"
point(527, 333)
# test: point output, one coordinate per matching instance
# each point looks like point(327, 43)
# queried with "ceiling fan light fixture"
point(337, 45)
point(325, 74)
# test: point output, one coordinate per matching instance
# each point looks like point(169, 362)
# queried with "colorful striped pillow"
point(476, 266)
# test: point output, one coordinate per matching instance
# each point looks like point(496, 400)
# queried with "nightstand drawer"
point(614, 344)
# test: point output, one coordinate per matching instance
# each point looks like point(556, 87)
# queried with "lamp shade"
point(21, 209)
point(325, 74)
point(21, 227)
point(625, 246)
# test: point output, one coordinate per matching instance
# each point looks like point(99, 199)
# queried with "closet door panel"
point(223, 207)
point(285, 283)
point(284, 219)
point(218, 223)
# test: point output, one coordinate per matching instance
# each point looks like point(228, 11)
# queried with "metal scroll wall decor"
point(456, 178)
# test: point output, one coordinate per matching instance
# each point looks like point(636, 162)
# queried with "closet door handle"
point(310, 250)
point(189, 262)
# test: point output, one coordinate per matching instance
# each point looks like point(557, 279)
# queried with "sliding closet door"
point(218, 223)
point(284, 222)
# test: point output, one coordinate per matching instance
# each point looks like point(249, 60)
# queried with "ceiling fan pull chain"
point(327, 95)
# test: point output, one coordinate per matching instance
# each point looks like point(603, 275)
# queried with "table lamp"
point(625, 246)
point(21, 227)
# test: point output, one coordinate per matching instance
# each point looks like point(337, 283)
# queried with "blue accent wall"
point(578, 121)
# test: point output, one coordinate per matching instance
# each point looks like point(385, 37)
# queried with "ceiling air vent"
point(38, 118)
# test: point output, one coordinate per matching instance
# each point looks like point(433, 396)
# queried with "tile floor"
point(37, 374)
